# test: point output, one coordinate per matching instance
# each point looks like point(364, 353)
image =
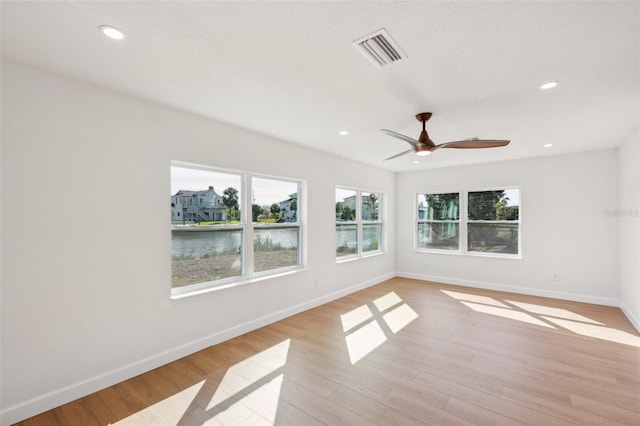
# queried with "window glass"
point(359, 226)
point(274, 201)
point(438, 217)
point(346, 211)
point(493, 225)
point(347, 239)
point(275, 204)
point(203, 247)
point(345, 205)
point(438, 235)
point(275, 248)
point(370, 206)
point(371, 237)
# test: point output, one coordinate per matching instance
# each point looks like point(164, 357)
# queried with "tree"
point(348, 213)
point(491, 206)
point(373, 208)
point(230, 200)
point(484, 205)
point(275, 210)
point(256, 211)
point(442, 206)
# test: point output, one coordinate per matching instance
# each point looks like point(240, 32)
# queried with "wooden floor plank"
point(427, 353)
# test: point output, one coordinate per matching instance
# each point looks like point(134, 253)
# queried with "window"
point(439, 221)
point(358, 222)
point(276, 229)
point(211, 237)
point(486, 222)
point(493, 221)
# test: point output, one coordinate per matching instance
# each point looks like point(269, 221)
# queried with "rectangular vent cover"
point(379, 48)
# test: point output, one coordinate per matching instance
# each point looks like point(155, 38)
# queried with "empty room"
point(320, 213)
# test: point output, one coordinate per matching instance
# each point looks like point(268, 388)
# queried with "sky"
point(513, 196)
point(265, 191)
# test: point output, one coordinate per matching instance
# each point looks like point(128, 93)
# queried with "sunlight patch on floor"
point(545, 316)
point(366, 324)
point(554, 312)
point(259, 406)
point(474, 298)
point(597, 331)
point(388, 300)
point(248, 393)
point(355, 317)
point(400, 317)
point(506, 313)
point(251, 370)
point(364, 340)
point(168, 411)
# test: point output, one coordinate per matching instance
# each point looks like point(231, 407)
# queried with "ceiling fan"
point(424, 145)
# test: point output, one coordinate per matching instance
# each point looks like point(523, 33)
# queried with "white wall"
point(85, 291)
point(629, 216)
point(567, 228)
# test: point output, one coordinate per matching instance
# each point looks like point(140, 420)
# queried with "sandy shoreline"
point(197, 270)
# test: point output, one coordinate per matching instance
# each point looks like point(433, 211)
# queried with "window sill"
point(238, 283)
point(346, 259)
point(472, 254)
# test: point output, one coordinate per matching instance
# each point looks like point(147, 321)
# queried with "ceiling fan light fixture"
point(548, 85)
point(111, 32)
point(424, 146)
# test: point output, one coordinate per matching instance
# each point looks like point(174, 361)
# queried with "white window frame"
point(256, 225)
point(463, 222)
point(246, 225)
point(418, 221)
point(359, 223)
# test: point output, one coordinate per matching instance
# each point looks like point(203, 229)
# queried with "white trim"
point(49, 400)
point(575, 297)
point(635, 321)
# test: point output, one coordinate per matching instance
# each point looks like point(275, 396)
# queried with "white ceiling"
point(288, 69)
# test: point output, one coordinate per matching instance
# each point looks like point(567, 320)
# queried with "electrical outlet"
point(316, 283)
point(425, 267)
point(556, 277)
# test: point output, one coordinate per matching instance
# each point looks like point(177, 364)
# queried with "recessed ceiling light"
point(549, 85)
point(416, 162)
point(111, 32)
point(547, 145)
point(343, 133)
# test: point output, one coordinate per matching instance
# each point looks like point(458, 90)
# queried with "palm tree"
point(230, 200)
point(373, 198)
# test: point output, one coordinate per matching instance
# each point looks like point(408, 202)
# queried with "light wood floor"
point(403, 352)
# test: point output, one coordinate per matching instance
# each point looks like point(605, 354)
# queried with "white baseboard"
point(77, 390)
point(634, 320)
point(514, 289)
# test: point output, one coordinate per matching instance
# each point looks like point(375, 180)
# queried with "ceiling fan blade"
point(398, 155)
point(412, 141)
point(473, 144)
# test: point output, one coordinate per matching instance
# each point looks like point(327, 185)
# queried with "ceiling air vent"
point(379, 48)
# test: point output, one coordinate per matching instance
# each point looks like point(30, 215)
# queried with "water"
point(199, 243)
point(347, 235)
